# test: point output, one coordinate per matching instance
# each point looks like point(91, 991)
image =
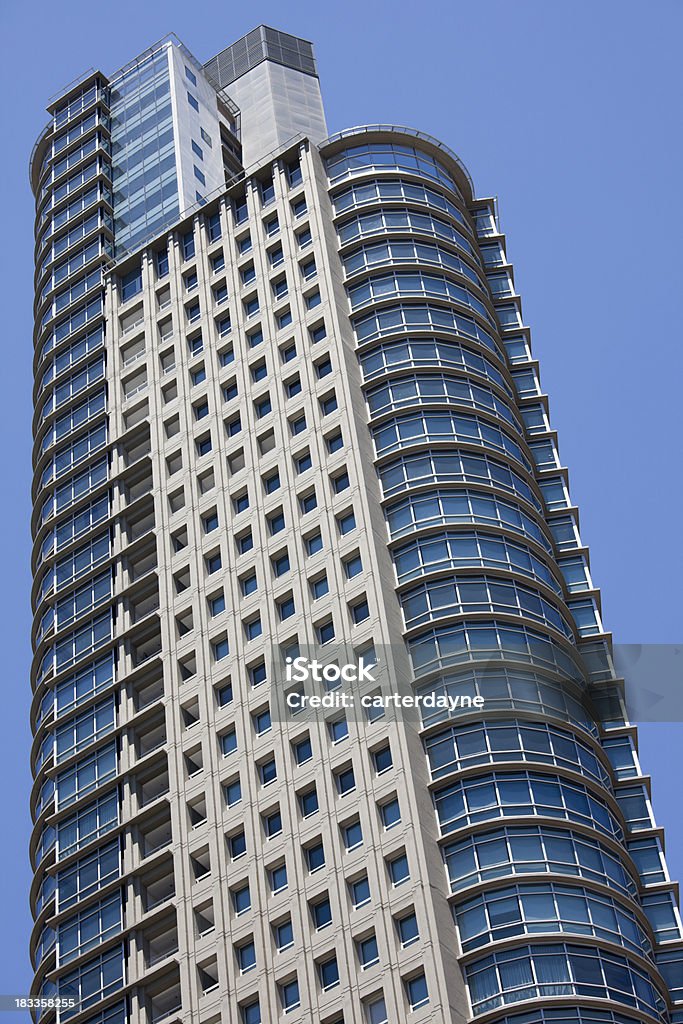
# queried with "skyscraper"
point(287, 415)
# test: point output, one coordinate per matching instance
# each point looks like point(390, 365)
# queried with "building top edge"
point(412, 133)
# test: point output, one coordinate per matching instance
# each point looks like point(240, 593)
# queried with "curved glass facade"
point(430, 354)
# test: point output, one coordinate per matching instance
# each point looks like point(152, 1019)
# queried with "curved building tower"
point(287, 414)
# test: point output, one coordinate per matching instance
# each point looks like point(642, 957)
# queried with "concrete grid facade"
point(306, 414)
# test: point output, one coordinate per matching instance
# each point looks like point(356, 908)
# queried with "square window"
point(251, 1013)
point(308, 269)
point(303, 750)
point(304, 238)
point(288, 352)
point(360, 891)
point(353, 566)
point(248, 274)
point(280, 288)
point(329, 404)
point(190, 280)
point(416, 991)
point(276, 256)
point(360, 611)
point(328, 971)
point(204, 445)
point(241, 899)
point(192, 101)
point(293, 386)
point(299, 207)
point(303, 462)
point(390, 813)
point(220, 649)
point(325, 632)
point(278, 878)
point(213, 563)
point(308, 502)
point(408, 930)
point(308, 802)
point(286, 608)
point(262, 721)
point(249, 584)
point(230, 390)
point(217, 604)
point(218, 262)
point(210, 521)
point(192, 312)
point(233, 792)
point(272, 226)
point(263, 406)
point(233, 426)
point(315, 856)
point(298, 425)
point(346, 523)
point(383, 759)
point(345, 781)
point(353, 835)
point(314, 543)
point(368, 952)
point(318, 333)
point(220, 293)
point(284, 319)
point(224, 326)
point(320, 587)
point(376, 1011)
point(228, 742)
point(272, 824)
point(289, 995)
point(284, 936)
point(398, 869)
point(198, 375)
point(251, 306)
point(338, 730)
point(281, 564)
point(258, 372)
point(240, 503)
point(276, 522)
point(271, 483)
point(224, 695)
point(268, 772)
point(201, 410)
point(246, 957)
point(195, 345)
point(245, 542)
point(255, 337)
point(253, 628)
point(324, 367)
point(341, 482)
point(313, 300)
point(257, 674)
point(244, 244)
point(334, 442)
point(321, 912)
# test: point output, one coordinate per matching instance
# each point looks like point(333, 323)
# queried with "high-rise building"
point(286, 407)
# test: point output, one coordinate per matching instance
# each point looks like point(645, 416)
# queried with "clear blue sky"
point(570, 114)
